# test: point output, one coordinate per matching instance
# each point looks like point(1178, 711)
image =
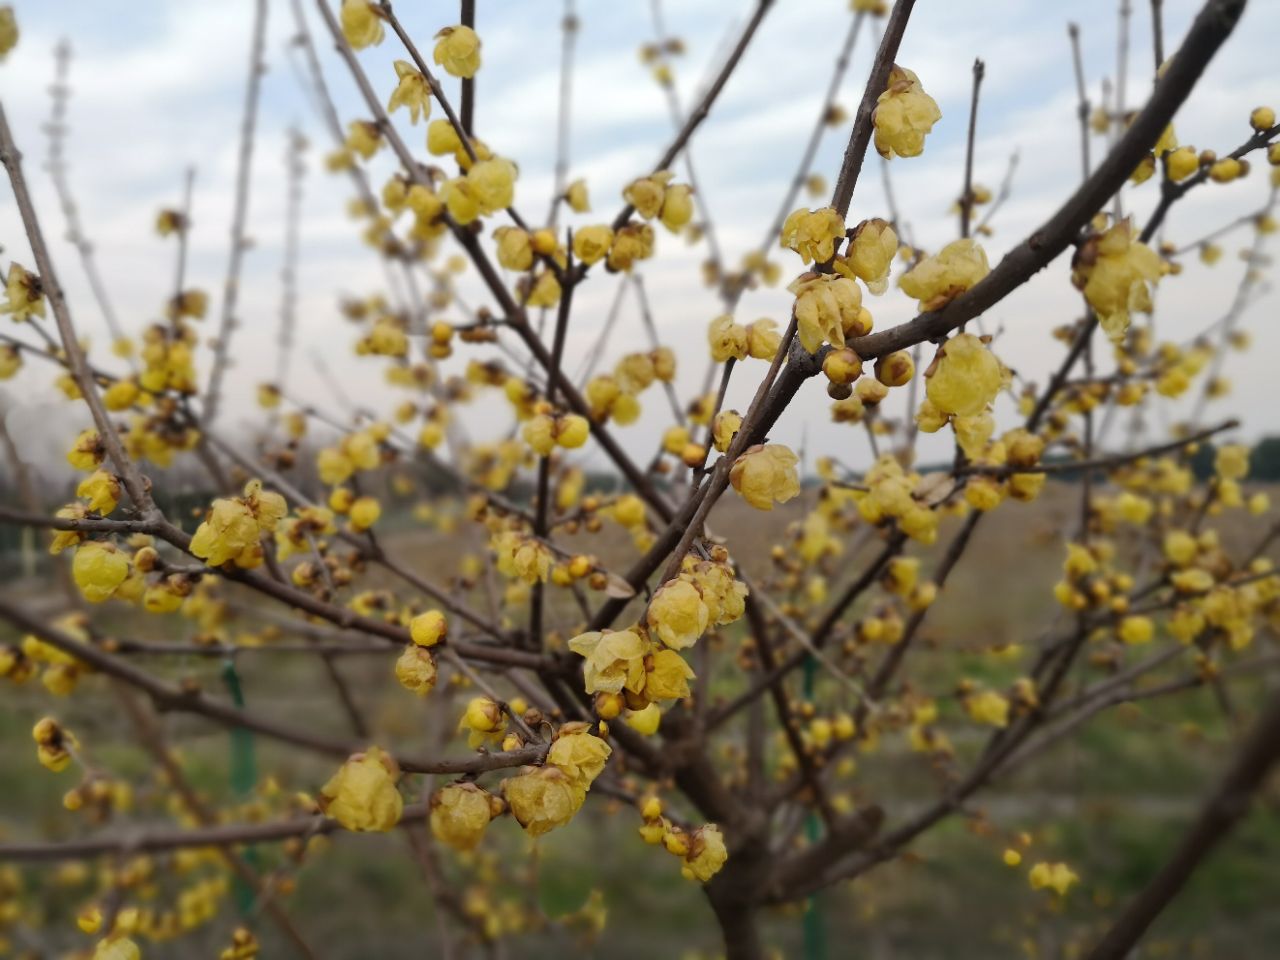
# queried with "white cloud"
point(160, 86)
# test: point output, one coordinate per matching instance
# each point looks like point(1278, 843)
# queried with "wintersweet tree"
point(712, 700)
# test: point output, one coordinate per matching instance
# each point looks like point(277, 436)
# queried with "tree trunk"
point(738, 927)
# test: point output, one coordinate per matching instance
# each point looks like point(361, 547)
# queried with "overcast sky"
point(158, 86)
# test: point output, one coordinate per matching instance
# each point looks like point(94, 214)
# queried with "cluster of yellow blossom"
point(232, 531)
point(735, 341)
point(656, 196)
point(363, 794)
point(702, 851)
point(548, 797)
point(168, 359)
point(60, 672)
point(894, 494)
point(489, 186)
point(360, 450)
point(616, 396)
point(548, 429)
point(1114, 271)
point(1057, 877)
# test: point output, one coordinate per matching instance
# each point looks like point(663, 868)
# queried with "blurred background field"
point(1108, 801)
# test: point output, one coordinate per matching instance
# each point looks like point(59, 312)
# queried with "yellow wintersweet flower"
point(677, 614)
point(936, 281)
point(98, 569)
point(904, 115)
point(765, 474)
point(363, 137)
point(592, 243)
point(24, 294)
point(871, 252)
point(631, 243)
point(460, 812)
point(543, 799)
point(412, 92)
point(812, 233)
point(1136, 630)
point(727, 424)
point(706, 854)
point(763, 339)
point(965, 378)
point(493, 184)
point(614, 660)
point(825, 307)
point(416, 670)
point(515, 252)
point(87, 452)
point(1182, 163)
point(668, 676)
point(102, 490)
point(1180, 548)
point(728, 340)
point(483, 719)
point(988, 707)
point(458, 51)
point(577, 197)
point(580, 756)
point(1115, 271)
point(1056, 876)
point(362, 795)
point(54, 744)
point(361, 24)
point(677, 207)
point(646, 193)
point(8, 31)
point(1232, 461)
point(364, 513)
point(116, 947)
point(428, 629)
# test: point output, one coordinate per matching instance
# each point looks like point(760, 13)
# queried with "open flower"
point(411, 92)
point(614, 660)
point(904, 115)
point(458, 51)
point(460, 812)
point(1115, 272)
point(936, 281)
point(362, 795)
point(99, 569)
point(813, 233)
point(543, 799)
point(677, 614)
point(965, 377)
point(765, 474)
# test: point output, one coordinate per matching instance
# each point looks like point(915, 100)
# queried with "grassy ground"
point(1110, 802)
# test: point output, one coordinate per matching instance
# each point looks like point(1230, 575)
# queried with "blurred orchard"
point(720, 695)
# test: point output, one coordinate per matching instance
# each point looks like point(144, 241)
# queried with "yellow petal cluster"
point(936, 281)
point(1115, 273)
point(904, 115)
point(363, 795)
point(766, 474)
point(813, 233)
